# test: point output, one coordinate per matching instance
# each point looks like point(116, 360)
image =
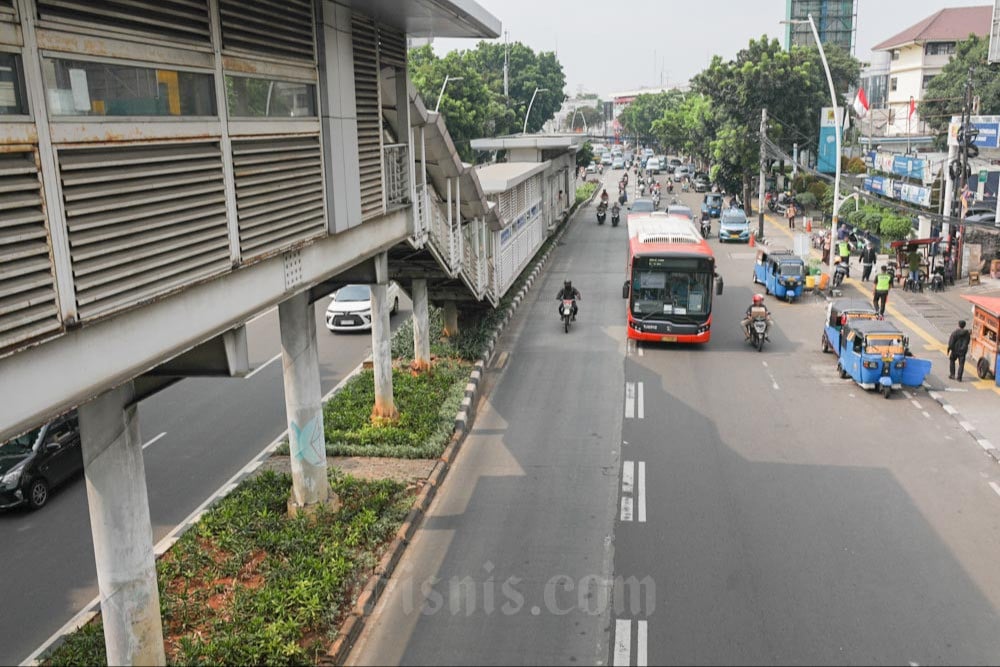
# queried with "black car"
point(33, 464)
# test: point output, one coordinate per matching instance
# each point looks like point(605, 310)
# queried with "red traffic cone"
point(752, 243)
point(809, 224)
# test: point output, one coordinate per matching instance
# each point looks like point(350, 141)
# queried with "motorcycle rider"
point(757, 309)
point(604, 196)
point(706, 224)
point(615, 211)
point(569, 292)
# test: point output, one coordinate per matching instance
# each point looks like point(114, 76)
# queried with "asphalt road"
point(743, 507)
point(211, 428)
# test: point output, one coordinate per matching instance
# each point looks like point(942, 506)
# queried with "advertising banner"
point(827, 153)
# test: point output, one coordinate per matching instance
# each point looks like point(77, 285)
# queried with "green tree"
point(584, 117)
point(527, 70)
point(895, 227)
point(638, 117)
point(946, 91)
point(585, 155)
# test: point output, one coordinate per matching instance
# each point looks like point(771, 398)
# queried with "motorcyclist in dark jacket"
point(569, 292)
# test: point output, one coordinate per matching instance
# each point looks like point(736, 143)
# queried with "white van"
point(653, 165)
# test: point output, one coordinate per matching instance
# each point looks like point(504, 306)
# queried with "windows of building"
point(895, 56)
point(12, 97)
point(927, 79)
point(893, 83)
point(88, 88)
point(939, 48)
point(269, 98)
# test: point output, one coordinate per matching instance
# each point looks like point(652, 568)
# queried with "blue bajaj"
point(782, 273)
point(874, 354)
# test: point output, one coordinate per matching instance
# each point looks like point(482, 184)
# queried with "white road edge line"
point(262, 366)
point(155, 438)
point(640, 649)
point(623, 643)
point(995, 487)
point(629, 400)
point(985, 444)
point(83, 616)
point(916, 403)
point(641, 497)
point(641, 403)
point(626, 514)
point(927, 414)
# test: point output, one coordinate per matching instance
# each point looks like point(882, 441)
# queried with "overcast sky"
point(621, 45)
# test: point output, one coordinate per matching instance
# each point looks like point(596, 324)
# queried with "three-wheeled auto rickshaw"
point(781, 272)
point(985, 342)
point(841, 311)
point(875, 354)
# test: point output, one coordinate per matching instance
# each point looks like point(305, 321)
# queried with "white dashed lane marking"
point(633, 505)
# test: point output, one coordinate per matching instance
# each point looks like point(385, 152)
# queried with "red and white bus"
point(670, 280)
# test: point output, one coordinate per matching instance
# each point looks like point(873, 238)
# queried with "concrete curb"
point(376, 584)
point(985, 444)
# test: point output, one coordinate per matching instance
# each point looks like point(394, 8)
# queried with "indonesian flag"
point(861, 104)
point(913, 107)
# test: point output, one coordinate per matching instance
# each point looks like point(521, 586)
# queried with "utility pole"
point(763, 166)
point(506, 91)
point(966, 138)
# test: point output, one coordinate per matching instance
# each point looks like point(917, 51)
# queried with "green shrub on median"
point(251, 585)
point(427, 403)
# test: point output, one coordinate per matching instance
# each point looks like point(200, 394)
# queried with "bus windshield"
point(671, 288)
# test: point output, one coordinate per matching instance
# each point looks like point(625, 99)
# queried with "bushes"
point(251, 585)
point(427, 403)
point(856, 166)
point(818, 190)
point(806, 199)
point(585, 191)
point(895, 227)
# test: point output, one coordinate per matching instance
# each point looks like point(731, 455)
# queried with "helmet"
point(758, 299)
point(567, 284)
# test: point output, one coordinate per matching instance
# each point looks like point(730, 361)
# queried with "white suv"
point(350, 307)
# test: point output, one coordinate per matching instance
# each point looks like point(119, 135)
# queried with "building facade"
point(836, 22)
point(918, 54)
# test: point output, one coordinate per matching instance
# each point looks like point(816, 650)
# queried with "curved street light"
point(837, 129)
point(528, 112)
point(447, 78)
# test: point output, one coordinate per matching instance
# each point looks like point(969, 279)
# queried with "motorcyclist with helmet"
point(568, 292)
point(757, 309)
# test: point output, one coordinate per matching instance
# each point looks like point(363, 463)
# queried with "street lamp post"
point(528, 112)
point(447, 78)
point(837, 129)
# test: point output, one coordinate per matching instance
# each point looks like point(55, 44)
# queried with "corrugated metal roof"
point(950, 24)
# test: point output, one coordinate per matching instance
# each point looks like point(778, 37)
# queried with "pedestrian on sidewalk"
point(790, 214)
point(958, 347)
point(868, 257)
point(826, 248)
point(883, 282)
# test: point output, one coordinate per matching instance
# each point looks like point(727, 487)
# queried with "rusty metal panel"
point(279, 193)
point(143, 221)
point(369, 113)
point(27, 292)
point(281, 28)
point(179, 20)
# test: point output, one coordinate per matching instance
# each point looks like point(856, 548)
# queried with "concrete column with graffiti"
point(303, 401)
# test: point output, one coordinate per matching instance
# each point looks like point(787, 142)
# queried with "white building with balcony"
point(919, 53)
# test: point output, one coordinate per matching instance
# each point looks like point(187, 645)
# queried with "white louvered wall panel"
point(27, 294)
point(183, 20)
point(369, 109)
point(274, 27)
point(279, 192)
point(143, 221)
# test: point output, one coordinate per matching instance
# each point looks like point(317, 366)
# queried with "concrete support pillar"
point(385, 406)
point(303, 402)
point(421, 326)
point(450, 318)
point(121, 528)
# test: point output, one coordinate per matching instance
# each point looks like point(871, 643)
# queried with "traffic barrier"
point(752, 242)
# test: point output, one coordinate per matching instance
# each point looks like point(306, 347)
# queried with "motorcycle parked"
point(602, 213)
point(566, 313)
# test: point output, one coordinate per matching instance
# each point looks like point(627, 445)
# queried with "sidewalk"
point(929, 318)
